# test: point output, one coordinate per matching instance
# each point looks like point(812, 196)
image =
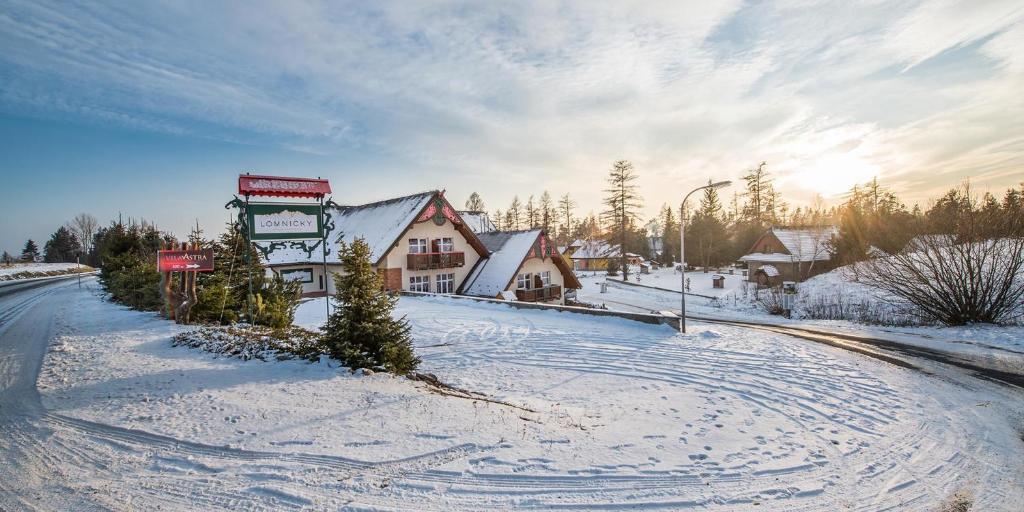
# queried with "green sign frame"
point(284, 221)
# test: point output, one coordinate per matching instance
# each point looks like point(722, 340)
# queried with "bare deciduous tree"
point(84, 227)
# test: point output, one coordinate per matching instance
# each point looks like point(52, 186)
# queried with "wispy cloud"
point(511, 95)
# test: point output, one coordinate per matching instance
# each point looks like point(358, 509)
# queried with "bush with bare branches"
point(968, 276)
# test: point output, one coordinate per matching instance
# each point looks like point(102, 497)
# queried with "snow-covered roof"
point(508, 250)
point(479, 222)
point(595, 249)
point(800, 244)
point(769, 270)
point(380, 224)
point(806, 244)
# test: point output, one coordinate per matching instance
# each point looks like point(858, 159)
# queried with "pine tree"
point(547, 212)
point(361, 331)
point(30, 252)
point(514, 216)
point(706, 231)
point(531, 214)
point(565, 208)
point(8, 259)
point(669, 235)
point(475, 203)
point(623, 203)
point(499, 220)
point(62, 247)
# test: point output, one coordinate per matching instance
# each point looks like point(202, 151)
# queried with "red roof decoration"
point(282, 186)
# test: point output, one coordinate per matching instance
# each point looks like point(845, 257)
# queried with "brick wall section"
point(392, 278)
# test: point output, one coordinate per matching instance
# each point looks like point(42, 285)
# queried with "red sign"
point(193, 260)
point(282, 186)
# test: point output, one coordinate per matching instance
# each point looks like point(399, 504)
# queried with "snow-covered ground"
point(31, 270)
point(669, 279)
point(1002, 346)
point(614, 414)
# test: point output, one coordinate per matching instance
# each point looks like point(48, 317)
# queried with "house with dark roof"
point(788, 255)
point(417, 243)
point(524, 266)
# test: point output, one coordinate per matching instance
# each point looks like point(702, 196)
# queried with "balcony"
point(550, 292)
point(434, 260)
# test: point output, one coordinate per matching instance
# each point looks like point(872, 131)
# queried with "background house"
point(789, 255)
point(524, 266)
point(595, 255)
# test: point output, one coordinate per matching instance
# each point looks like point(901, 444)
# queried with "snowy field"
point(669, 279)
point(611, 414)
point(1003, 346)
point(31, 270)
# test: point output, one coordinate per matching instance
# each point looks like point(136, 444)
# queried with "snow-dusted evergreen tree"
point(30, 251)
point(361, 332)
point(8, 259)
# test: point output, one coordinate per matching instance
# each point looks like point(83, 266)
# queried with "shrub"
point(953, 281)
point(613, 267)
point(261, 343)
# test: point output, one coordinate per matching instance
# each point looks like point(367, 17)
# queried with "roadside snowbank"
point(33, 270)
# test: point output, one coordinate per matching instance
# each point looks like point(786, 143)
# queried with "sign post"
point(283, 221)
point(187, 261)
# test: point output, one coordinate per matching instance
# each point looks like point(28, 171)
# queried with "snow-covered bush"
point(247, 343)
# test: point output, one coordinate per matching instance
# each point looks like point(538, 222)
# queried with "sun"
point(833, 175)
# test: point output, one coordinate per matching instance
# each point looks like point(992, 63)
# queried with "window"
point(545, 278)
point(446, 283)
point(419, 283)
point(524, 281)
point(417, 245)
point(445, 245)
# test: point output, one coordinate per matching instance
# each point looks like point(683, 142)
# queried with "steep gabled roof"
point(380, 224)
point(479, 222)
point(595, 249)
point(797, 245)
point(509, 250)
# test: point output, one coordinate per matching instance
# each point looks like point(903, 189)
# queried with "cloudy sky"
point(152, 110)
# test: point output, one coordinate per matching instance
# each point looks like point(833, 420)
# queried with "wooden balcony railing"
point(550, 292)
point(433, 260)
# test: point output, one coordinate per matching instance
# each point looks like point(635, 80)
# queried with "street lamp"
point(682, 249)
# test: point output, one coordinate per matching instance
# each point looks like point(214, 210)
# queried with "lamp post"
point(682, 249)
